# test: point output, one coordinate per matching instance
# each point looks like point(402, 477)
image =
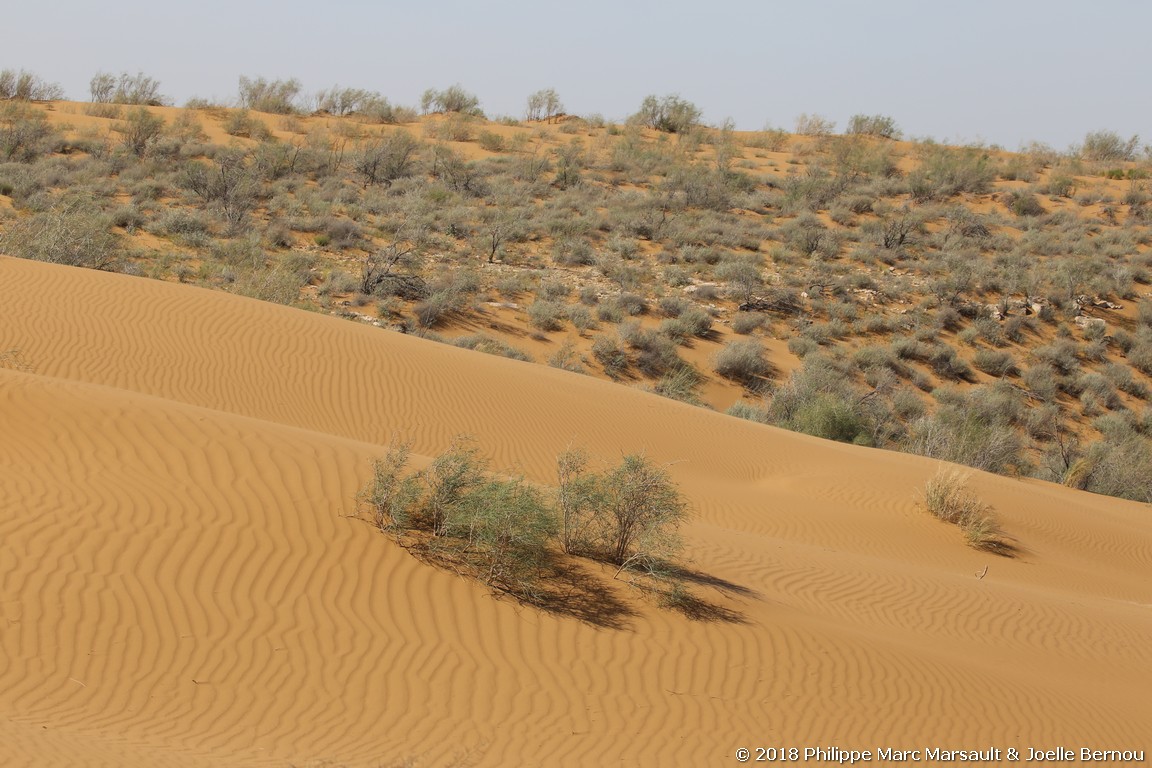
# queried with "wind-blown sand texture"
point(183, 580)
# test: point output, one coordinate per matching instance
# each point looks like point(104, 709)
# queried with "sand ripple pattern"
point(183, 581)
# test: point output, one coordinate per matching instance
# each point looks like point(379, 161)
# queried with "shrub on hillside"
point(21, 85)
point(1108, 146)
point(73, 233)
point(873, 125)
point(452, 99)
point(670, 114)
point(611, 356)
point(138, 89)
point(744, 362)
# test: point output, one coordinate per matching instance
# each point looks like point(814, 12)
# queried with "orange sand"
point(183, 581)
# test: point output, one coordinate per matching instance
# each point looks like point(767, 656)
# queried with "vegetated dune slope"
point(183, 580)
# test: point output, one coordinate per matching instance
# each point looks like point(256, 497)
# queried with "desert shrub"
point(1122, 378)
point(744, 362)
point(1140, 356)
point(544, 105)
point(802, 346)
point(140, 130)
point(387, 159)
point(747, 322)
point(437, 306)
point(1097, 392)
point(25, 133)
point(1023, 203)
point(452, 99)
point(670, 114)
point(609, 312)
point(74, 233)
point(643, 507)
point(279, 285)
point(175, 222)
point(496, 530)
point(875, 356)
point(1144, 314)
point(873, 125)
point(1108, 146)
point(631, 304)
point(570, 252)
point(227, 185)
point(275, 96)
point(546, 315)
point(945, 172)
point(814, 125)
point(127, 217)
point(139, 89)
point(696, 322)
point(948, 365)
point(994, 362)
point(967, 435)
point(807, 234)
point(743, 276)
point(490, 346)
point(819, 400)
point(770, 139)
point(832, 418)
point(554, 290)
point(654, 354)
point(1119, 465)
point(21, 85)
point(567, 358)
point(490, 141)
point(673, 306)
point(581, 317)
point(947, 498)
point(612, 357)
point(1059, 185)
point(679, 384)
point(627, 515)
point(1060, 354)
point(1043, 381)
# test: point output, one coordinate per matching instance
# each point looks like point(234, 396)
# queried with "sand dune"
point(183, 582)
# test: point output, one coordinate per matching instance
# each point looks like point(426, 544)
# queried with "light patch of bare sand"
point(182, 581)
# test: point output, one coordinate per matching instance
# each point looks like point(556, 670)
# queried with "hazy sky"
point(1002, 71)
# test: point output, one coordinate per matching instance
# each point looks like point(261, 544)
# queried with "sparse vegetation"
point(670, 114)
point(902, 274)
point(948, 498)
point(523, 541)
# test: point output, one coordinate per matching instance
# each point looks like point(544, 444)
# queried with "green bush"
point(747, 322)
point(73, 233)
point(994, 362)
point(452, 99)
point(276, 96)
point(873, 125)
point(546, 315)
point(27, 86)
point(744, 362)
point(1023, 203)
point(670, 114)
point(611, 356)
point(1108, 146)
point(138, 89)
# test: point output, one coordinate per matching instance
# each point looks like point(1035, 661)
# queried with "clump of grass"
point(948, 498)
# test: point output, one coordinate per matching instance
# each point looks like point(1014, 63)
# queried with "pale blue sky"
point(1002, 71)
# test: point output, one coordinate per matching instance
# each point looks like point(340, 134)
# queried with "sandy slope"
point(181, 582)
